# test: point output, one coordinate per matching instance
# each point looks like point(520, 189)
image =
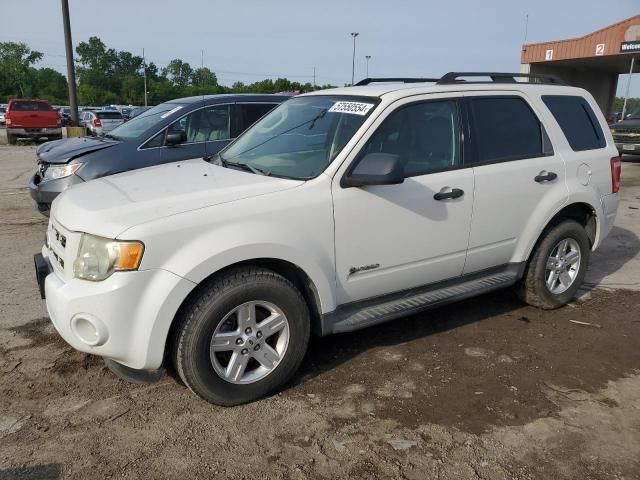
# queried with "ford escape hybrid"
point(338, 210)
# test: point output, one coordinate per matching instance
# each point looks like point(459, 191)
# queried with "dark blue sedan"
point(177, 130)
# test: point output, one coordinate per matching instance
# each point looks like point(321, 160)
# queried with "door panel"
point(393, 237)
point(506, 196)
point(511, 149)
point(414, 238)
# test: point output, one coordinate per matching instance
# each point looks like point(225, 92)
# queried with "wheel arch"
point(582, 212)
point(287, 269)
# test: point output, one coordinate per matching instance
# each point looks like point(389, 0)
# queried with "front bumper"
point(44, 192)
point(125, 318)
point(35, 132)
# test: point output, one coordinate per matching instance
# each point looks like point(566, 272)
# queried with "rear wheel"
point(241, 337)
point(557, 267)
point(11, 140)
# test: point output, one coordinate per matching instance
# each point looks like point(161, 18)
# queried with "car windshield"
point(29, 106)
point(301, 137)
point(635, 115)
point(140, 124)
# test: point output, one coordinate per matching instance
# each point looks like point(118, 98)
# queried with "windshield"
point(140, 124)
point(301, 137)
point(635, 115)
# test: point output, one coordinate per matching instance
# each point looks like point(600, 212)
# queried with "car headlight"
point(99, 257)
point(61, 171)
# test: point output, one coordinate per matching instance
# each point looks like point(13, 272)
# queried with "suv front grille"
point(61, 245)
point(626, 135)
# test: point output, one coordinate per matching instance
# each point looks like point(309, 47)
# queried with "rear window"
point(577, 121)
point(29, 106)
point(507, 129)
point(109, 115)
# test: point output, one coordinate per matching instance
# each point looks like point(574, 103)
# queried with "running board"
point(357, 315)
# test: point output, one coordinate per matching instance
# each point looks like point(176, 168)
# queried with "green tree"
point(178, 72)
point(15, 61)
point(49, 84)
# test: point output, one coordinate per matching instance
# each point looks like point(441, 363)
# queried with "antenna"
point(144, 73)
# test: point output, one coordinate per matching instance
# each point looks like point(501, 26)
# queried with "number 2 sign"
point(600, 49)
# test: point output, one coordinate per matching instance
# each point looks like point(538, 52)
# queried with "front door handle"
point(447, 193)
point(545, 177)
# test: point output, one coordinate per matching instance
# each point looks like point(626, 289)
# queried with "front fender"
point(295, 226)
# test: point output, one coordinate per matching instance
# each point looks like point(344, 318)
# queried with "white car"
point(338, 210)
point(101, 122)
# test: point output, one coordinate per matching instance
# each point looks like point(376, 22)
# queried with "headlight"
point(99, 257)
point(52, 173)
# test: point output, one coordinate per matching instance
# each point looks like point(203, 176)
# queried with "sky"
point(250, 40)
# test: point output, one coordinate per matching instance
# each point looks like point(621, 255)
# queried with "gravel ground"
point(484, 389)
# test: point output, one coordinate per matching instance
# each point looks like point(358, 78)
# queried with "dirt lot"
point(485, 389)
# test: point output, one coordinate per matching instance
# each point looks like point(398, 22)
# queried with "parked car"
point(626, 133)
point(3, 110)
point(137, 111)
point(100, 122)
point(28, 118)
point(338, 210)
point(176, 130)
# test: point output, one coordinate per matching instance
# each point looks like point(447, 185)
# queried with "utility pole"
point(314, 76)
point(144, 74)
point(526, 28)
point(626, 95)
point(353, 61)
point(368, 57)
point(71, 73)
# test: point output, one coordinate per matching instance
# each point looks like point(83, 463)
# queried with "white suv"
point(338, 210)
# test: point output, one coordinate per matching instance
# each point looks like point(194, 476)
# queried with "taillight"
point(8, 121)
point(97, 122)
point(616, 172)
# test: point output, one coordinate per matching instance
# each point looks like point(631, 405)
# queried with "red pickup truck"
point(27, 118)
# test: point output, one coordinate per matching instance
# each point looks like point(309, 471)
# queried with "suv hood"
point(630, 123)
point(110, 205)
point(62, 151)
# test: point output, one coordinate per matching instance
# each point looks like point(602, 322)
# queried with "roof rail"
point(498, 77)
point(367, 81)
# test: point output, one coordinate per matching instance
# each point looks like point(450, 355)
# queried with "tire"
point(11, 140)
point(214, 309)
point(534, 288)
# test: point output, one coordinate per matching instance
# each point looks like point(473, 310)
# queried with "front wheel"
point(241, 336)
point(557, 267)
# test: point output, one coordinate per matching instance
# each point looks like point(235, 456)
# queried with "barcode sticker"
point(173, 110)
point(356, 108)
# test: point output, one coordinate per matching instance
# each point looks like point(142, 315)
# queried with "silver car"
point(3, 110)
point(100, 122)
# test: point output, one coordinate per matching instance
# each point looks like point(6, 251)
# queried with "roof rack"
point(497, 77)
point(368, 81)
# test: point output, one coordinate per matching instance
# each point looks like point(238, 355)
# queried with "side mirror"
point(176, 137)
point(375, 169)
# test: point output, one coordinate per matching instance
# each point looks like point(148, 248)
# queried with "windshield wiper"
point(242, 166)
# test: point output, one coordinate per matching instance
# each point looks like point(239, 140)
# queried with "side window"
point(250, 113)
point(156, 141)
point(205, 125)
point(505, 128)
point(425, 136)
point(577, 121)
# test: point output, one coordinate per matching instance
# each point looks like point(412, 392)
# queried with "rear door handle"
point(447, 193)
point(545, 177)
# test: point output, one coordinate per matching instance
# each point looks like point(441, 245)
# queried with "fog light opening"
point(89, 330)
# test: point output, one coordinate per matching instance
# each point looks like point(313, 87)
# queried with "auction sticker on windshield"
point(173, 110)
point(355, 108)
